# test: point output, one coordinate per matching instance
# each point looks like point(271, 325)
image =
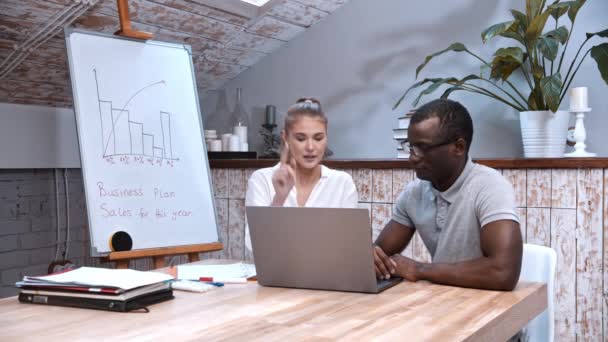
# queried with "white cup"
point(244, 147)
point(226, 142)
point(234, 144)
point(215, 145)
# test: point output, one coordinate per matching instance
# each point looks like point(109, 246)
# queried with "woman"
point(299, 180)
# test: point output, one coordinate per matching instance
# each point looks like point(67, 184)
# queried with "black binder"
point(135, 303)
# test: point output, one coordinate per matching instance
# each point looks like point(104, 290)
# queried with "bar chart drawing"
point(122, 136)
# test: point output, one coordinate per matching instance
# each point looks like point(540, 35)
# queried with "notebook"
point(135, 303)
point(100, 295)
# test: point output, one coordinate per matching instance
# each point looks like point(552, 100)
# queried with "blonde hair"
point(305, 106)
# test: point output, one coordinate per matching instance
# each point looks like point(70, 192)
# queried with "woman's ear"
point(283, 136)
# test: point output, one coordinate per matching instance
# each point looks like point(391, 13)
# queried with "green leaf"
point(533, 8)
point(469, 78)
point(561, 34)
point(496, 30)
point(548, 46)
point(573, 11)
point(458, 47)
point(514, 35)
point(415, 85)
point(533, 99)
point(600, 54)
point(521, 18)
point(537, 25)
point(458, 83)
point(552, 88)
point(506, 61)
point(503, 67)
point(560, 8)
point(603, 34)
point(514, 52)
point(448, 91)
point(432, 88)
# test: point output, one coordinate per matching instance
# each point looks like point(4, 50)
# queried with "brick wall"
point(28, 227)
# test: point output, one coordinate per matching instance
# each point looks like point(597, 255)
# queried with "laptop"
point(314, 248)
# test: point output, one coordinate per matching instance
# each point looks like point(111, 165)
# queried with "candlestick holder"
point(580, 135)
point(272, 141)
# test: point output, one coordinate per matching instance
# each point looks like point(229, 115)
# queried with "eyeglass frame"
point(428, 148)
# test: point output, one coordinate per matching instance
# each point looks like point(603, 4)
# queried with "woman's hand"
point(284, 178)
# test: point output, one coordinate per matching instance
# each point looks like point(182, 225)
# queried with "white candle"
point(215, 145)
point(226, 141)
point(578, 99)
point(235, 143)
point(241, 132)
point(244, 147)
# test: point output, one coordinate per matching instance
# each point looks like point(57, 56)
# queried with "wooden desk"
point(411, 311)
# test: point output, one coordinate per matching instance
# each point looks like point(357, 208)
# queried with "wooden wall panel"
point(538, 188)
point(563, 241)
point(363, 182)
point(538, 226)
point(236, 229)
point(401, 177)
point(589, 297)
point(517, 177)
point(382, 186)
point(563, 188)
point(381, 214)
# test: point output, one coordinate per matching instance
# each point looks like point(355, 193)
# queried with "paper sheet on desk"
point(229, 271)
point(102, 277)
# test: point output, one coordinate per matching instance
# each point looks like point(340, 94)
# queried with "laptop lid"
point(314, 248)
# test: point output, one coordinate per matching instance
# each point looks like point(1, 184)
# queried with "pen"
point(214, 283)
point(224, 281)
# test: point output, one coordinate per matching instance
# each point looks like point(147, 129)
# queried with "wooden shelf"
point(532, 163)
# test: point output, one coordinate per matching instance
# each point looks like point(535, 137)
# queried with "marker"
point(224, 281)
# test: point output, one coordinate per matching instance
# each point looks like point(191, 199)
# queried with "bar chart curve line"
point(140, 143)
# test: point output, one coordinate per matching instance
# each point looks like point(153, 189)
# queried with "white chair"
point(538, 265)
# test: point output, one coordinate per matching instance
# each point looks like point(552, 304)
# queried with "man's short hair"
point(454, 119)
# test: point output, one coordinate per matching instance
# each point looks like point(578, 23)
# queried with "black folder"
point(135, 303)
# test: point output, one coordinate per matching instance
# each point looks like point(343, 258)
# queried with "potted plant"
point(539, 43)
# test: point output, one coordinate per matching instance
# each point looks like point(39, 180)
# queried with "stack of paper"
point(97, 288)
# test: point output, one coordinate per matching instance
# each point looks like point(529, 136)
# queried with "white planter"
point(544, 133)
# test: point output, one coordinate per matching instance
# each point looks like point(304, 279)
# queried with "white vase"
point(544, 133)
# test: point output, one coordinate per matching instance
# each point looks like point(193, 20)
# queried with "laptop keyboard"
point(384, 283)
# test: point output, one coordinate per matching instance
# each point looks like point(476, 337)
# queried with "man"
point(464, 212)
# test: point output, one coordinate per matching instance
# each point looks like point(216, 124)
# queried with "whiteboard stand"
point(125, 23)
point(122, 258)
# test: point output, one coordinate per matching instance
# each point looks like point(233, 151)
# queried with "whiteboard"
point(139, 127)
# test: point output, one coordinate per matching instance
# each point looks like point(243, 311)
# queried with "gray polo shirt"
point(450, 222)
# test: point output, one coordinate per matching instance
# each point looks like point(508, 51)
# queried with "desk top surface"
point(419, 311)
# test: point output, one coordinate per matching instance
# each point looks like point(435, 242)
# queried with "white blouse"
point(335, 189)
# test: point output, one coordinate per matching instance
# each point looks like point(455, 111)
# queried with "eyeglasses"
point(422, 149)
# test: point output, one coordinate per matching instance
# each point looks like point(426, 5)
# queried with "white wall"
point(37, 137)
point(360, 59)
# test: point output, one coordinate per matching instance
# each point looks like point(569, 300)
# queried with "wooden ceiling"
point(224, 43)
